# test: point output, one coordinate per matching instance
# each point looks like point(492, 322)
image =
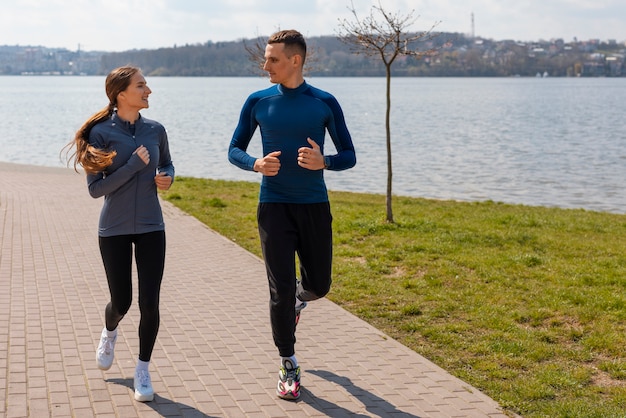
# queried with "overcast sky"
point(119, 25)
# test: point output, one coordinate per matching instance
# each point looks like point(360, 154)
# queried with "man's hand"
point(268, 165)
point(311, 158)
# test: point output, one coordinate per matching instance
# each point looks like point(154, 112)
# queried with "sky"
point(120, 25)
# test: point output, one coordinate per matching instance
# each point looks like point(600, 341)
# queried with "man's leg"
point(278, 242)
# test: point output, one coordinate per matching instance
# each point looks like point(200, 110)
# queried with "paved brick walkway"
point(214, 356)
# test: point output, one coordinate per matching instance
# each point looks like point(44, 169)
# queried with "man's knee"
point(317, 291)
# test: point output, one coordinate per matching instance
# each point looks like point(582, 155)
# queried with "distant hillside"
point(458, 56)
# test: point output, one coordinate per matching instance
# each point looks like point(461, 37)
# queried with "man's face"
point(281, 68)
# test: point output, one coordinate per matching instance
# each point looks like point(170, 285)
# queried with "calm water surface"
point(547, 142)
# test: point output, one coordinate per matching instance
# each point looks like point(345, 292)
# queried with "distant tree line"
point(457, 55)
point(211, 59)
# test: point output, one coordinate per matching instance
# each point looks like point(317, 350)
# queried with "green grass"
point(527, 304)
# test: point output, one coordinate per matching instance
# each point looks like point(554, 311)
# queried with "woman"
point(126, 158)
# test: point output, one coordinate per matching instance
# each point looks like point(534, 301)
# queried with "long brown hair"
point(92, 159)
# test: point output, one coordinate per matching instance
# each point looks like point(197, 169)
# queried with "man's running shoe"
point(105, 351)
point(288, 381)
point(299, 309)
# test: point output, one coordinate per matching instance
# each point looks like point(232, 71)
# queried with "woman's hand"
point(142, 152)
point(163, 181)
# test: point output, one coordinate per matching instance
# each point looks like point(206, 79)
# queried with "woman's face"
point(136, 94)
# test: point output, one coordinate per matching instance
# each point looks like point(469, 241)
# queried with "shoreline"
point(60, 169)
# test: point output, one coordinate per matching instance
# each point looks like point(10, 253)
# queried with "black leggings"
point(285, 230)
point(117, 254)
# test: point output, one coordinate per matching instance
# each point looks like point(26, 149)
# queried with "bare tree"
point(256, 53)
point(383, 34)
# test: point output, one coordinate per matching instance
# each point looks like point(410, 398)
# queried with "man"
point(293, 213)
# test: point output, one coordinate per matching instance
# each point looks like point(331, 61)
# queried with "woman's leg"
point(116, 255)
point(150, 259)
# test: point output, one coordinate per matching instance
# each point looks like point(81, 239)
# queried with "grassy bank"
point(525, 303)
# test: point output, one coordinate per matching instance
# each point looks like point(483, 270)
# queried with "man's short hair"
point(293, 40)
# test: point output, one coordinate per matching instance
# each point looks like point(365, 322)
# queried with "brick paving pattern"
point(214, 355)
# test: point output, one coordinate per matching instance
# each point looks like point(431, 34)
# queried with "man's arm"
point(338, 131)
point(237, 154)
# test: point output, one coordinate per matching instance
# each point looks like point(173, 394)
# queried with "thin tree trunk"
point(388, 129)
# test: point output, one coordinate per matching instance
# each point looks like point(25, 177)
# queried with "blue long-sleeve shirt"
point(287, 117)
point(131, 204)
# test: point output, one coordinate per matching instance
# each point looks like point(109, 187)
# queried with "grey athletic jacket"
point(131, 204)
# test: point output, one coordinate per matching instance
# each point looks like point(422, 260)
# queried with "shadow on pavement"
point(163, 406)
point(373, 404)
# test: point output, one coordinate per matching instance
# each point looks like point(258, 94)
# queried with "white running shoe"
point(104, 354)
point(143, 386)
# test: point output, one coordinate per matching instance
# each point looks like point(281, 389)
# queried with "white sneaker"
point(143, 386)
point(104, 354)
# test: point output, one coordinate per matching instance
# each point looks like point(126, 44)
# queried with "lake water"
point(537, 141)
